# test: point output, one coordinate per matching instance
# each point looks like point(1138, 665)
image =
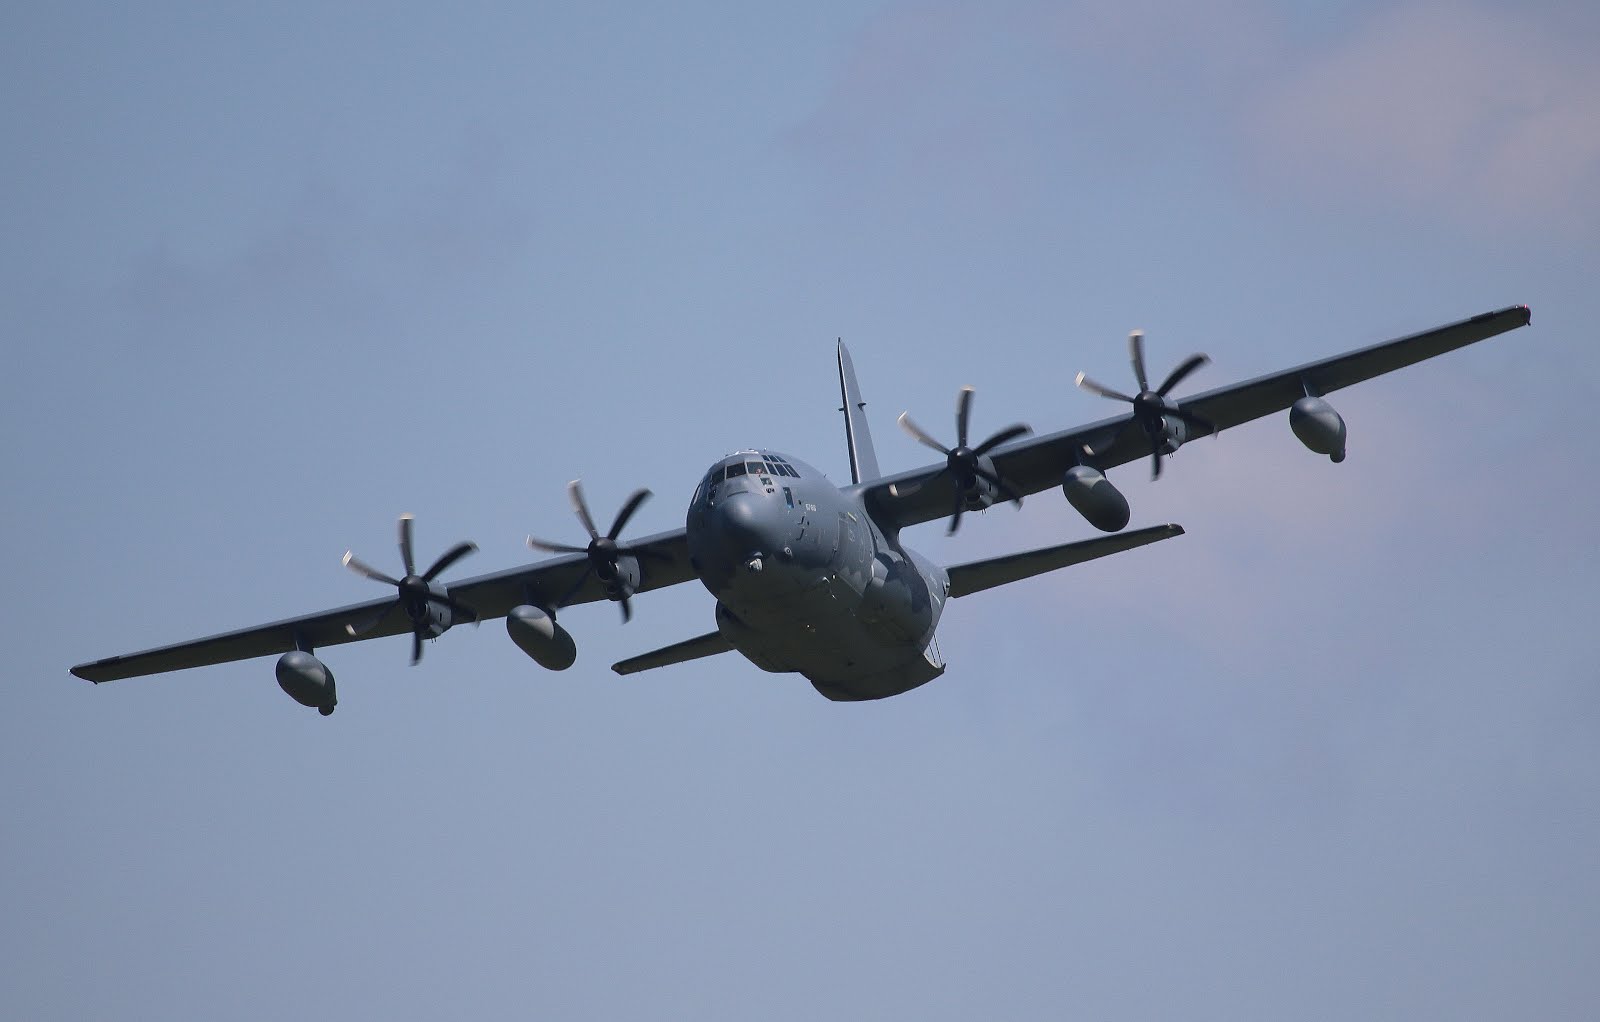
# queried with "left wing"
point(1038, 463)
point(665, 562)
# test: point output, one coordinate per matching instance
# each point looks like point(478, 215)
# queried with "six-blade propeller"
point(414, 591)
point(965, 465)
point(606, 556)
point(1151, 407)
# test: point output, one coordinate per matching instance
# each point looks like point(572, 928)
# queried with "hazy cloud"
point(1473, 111)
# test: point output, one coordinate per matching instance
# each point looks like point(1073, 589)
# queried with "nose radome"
point(738, 526)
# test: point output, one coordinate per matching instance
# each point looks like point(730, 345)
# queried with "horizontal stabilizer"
point(966, 579)
point(709, 644)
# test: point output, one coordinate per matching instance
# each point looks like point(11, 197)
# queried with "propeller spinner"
point(965, 465)
point(417, 594)
point(1152, 407)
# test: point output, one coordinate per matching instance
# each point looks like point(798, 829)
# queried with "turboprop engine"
point(307, 681)
point(1091, 494)
point(1318, 426)
point(976, 483)
point(537, 634)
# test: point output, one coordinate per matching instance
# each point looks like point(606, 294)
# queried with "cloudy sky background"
point(270, 279)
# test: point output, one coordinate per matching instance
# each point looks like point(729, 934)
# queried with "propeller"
point(604, 552)
point(964, 464)
point(415, 591)
point(1151, 407)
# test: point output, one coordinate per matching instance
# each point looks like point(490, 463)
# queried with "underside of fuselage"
point(806, 582)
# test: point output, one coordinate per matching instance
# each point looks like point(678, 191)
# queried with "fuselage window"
point(788, 497)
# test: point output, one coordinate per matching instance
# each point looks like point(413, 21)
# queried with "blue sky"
point(271, 278)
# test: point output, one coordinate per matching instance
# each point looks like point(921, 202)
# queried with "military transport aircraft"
point(809, 577)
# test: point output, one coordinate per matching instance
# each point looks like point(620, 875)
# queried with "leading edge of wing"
point(493, 595)
point(1037, 463)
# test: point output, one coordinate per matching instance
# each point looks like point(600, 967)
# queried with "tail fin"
point(863, 461)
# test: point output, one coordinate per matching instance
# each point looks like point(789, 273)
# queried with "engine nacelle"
point(1091, 494)
point(537, 634)
point(307, 681)
point(980, 493)
point(1318, 426)
point(620, 578)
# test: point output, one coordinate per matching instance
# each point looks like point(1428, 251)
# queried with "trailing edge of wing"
point(709, 644)
point(966, 579)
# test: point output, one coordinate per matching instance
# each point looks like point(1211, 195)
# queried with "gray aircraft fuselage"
point(805, 581)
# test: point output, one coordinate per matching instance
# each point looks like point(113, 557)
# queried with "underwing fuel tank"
point(1091, 494)
point(1318, 426)
point(307, 681)
point(537, 634)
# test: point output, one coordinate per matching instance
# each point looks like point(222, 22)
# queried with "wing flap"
point(966, 579)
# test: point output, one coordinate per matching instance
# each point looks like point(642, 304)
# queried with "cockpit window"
point(754, 468)
point(736, 469)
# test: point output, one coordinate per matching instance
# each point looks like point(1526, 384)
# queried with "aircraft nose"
point(737, 524)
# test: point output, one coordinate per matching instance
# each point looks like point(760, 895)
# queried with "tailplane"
point(863, 460)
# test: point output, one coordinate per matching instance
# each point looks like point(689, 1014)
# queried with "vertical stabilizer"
point(863, 462)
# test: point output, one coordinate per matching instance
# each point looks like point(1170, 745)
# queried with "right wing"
point(664, 562)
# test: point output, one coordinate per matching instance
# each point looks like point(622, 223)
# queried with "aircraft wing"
point(664, 561)
point(1038, 463)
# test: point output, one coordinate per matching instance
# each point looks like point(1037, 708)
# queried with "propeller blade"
point(955, 514)
point(554, 548)
point(1136, 356)
point(573, 591)
point(465, 612)
point(405, 544)
point(360, 567)
point(372, 621)
point(644, 553)
point(1177, 376)
point(963, 414)
point(1000, 484)
point(416, 648)
point(575, 494)
point(919, 435)
point(638, 497)
point(1194, 420)
point(627, 611)
point(1006, 435)
point(1155, 465)
point(1102, 389)
point(448, 558)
